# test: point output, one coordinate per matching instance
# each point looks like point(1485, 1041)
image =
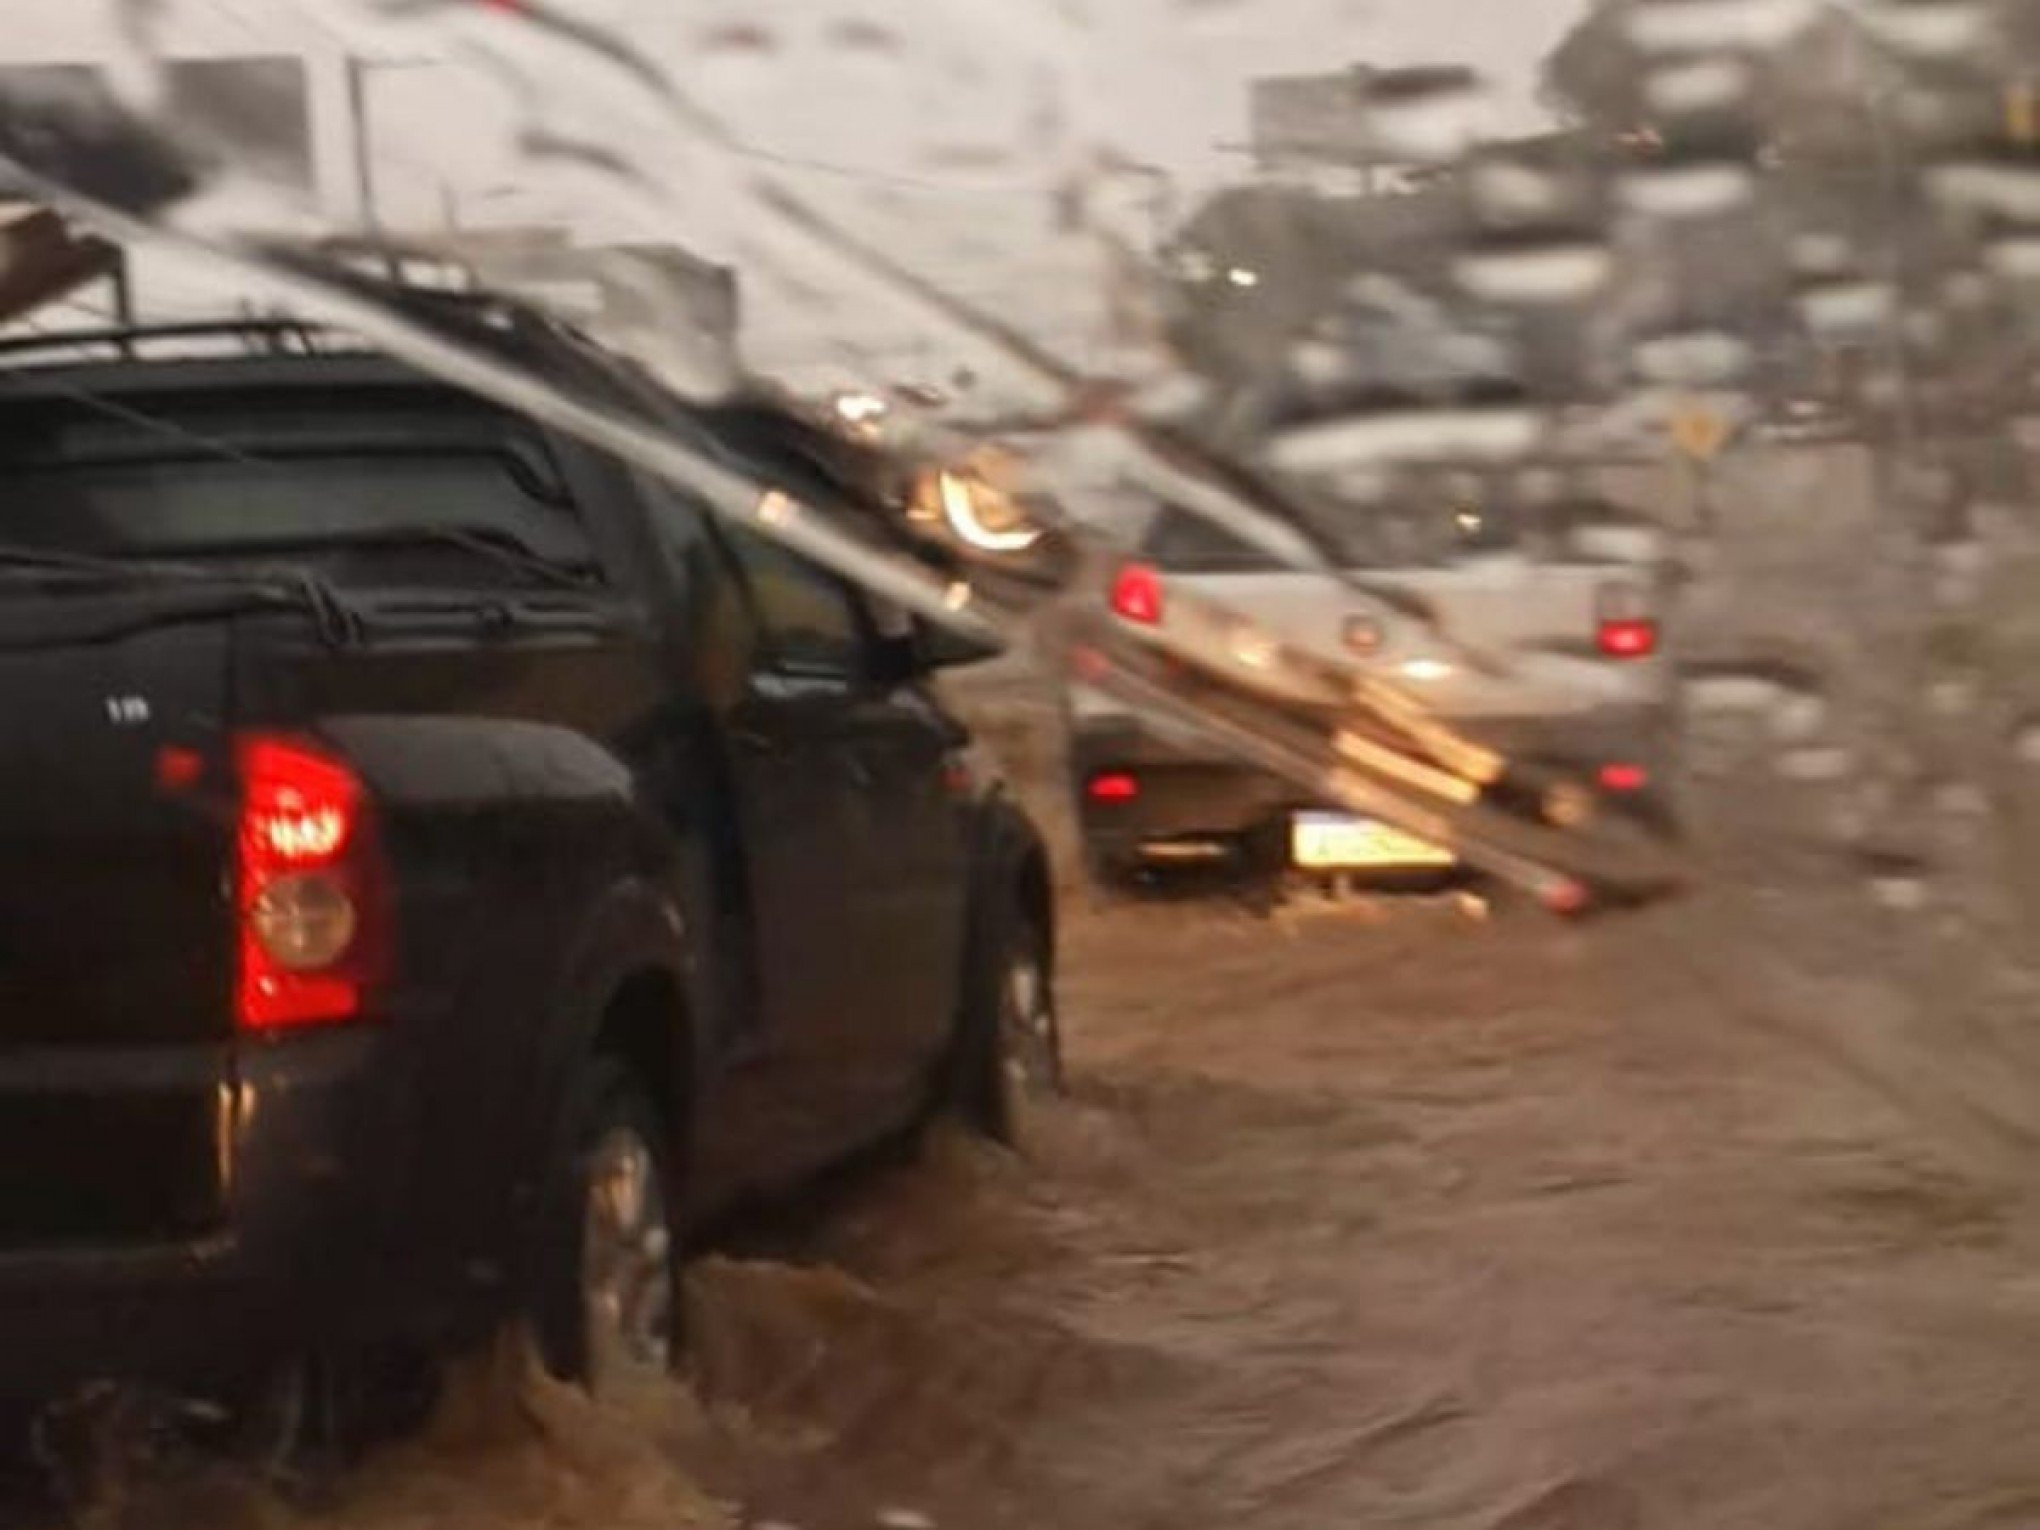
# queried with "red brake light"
point(1623, 778)
point(1114, 787)
point(1137, 594)
point(1628, 638)
point(304, 889)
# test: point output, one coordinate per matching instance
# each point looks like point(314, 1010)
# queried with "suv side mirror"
point(897, 660)
point(939, 647)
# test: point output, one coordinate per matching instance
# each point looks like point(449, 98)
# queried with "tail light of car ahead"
point(1622, 778)
point(1137, 594)
point(1113, 788)
point(1624, 627)
point(306, 886)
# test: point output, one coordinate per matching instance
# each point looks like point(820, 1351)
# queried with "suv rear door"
point(913, 839)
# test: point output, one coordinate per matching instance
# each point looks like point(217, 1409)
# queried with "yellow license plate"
point(1340, 842)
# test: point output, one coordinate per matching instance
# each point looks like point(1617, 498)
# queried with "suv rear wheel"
point(606, 1304)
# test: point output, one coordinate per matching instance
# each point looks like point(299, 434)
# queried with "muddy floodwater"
point(1378, 1215)
point(1409, 1221)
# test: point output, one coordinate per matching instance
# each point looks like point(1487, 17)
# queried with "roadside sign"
point(1700, 430)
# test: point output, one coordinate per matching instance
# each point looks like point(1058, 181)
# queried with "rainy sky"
point(1166, 79)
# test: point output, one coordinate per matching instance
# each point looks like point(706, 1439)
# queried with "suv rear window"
point(337, 488)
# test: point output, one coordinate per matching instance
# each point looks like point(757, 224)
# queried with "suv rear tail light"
point(1137, 595)
point(304, 922)
point(306, 886)
point(1624, 627)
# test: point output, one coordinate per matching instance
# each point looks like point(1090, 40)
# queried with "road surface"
point(1380, 1216)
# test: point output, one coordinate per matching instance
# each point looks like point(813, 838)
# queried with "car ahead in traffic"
point(1552, 655)
point(440, 867)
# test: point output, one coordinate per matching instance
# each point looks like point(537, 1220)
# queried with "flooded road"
point(1402, 1219)
point(1373, 1216)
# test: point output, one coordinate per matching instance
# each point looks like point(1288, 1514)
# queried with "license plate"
point(1340, 842)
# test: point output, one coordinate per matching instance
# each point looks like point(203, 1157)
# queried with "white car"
point(1550, 647)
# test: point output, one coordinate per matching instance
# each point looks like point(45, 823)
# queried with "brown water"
point(1374, 1216)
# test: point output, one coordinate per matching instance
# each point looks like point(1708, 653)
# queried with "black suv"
point(439, 866)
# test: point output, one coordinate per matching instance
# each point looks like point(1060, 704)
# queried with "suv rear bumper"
point(177, 1316)
point(306, 1160)
point(1192, 804)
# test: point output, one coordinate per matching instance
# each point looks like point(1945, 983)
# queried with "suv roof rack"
point(506, 325)
point(271, 336)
